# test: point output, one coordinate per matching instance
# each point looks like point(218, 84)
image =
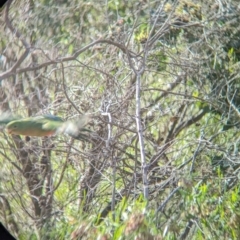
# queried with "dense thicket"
point(160, 80)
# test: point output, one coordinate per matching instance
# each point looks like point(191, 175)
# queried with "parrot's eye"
point(14, 126)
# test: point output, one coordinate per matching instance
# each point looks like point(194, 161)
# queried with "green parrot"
point(46, 125)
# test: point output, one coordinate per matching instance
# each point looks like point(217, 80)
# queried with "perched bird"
point(46, 125)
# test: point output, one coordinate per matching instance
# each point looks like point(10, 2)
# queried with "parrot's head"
point(18, 127)
point(13, 127)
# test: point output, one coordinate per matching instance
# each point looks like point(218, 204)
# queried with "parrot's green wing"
point(50, 122)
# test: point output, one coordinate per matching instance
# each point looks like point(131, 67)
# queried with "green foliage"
point(183, 57)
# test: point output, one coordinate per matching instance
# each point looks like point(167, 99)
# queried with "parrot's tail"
point(75, 128)
point(80, 135)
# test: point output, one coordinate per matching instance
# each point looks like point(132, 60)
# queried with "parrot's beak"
point(9, 131)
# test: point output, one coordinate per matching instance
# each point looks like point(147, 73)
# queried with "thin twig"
point(108, 147)
point(65, 90)
point(140, 136)
point(196, 151)
point(162, 206)
point(64, 167)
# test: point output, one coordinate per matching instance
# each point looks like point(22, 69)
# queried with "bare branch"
point(14, 69)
